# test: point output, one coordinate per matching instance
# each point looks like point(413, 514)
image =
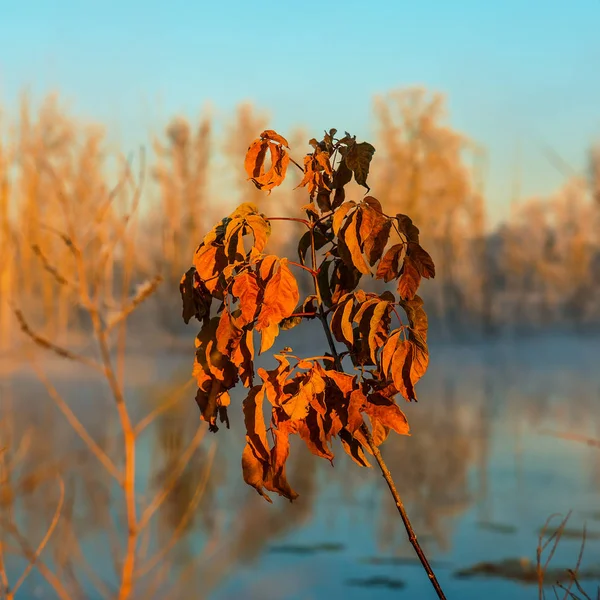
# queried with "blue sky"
point(515, 72)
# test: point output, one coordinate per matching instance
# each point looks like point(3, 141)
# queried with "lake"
point(479, 476)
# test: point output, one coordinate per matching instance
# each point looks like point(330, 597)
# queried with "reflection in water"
point(432, 467)
point(476, 476)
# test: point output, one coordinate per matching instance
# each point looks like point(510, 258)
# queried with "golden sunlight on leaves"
point(254, 162)
point(310, 397)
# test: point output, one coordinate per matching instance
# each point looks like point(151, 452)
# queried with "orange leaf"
point(267, 336)
point(417, 319)
point(355, 406)
point(209, 261)
point(388, 268)
point(350, 235)
point(336, 319)
point(228, 334)
point(374, 233)
point(270, 134)
point(409, 363)
point(312, 432)
point(280, 298)
point(353, 448)
point(297, 406)
point(245, 287)
point(254, 163)
point(410, 280)
point(377, 319)
point(256, 431)
point(339, 215)
point(388, 352)
point(261, 229)
point(279, 454)
point(387, 412)
point(255, 471)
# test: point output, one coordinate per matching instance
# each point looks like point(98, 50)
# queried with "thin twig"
point(575, 437)
point(78, 426)
point(163, 407)
point(155, 560)
point(36, 554)
point(174, 475)
point(48, 345)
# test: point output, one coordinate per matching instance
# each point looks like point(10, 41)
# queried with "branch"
point(155, 560)
point(595, 443)
point(78, 426)
point(36, 554)
point(374, 449)
point(304, 221)
point(48, 345)
point(174, 475)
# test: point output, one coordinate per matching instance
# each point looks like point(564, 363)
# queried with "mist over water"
point(479, 476)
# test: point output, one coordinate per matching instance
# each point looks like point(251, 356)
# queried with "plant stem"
point(372, 446)
point(412, 537)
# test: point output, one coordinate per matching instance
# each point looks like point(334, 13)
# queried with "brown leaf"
point(322, 159)
point(406, 227)
point(338, 198)
point(256, 431)
point(344, 279)
point(409, 281)
point(323, 200)
point(344, 382)
point(349, 234)
point(378, 319)
point(388, 352)
point(423, 262)
point(313, 175)
point(409, 364)
point(267, 267)
point(353, 448)
point(275, 378)
point(358, 159)
point(312, 432)
point(417, 319)
point(373, 203)
point(379, 431)
point(338, 317)
point(342, 176)
point(305, 243)
point(388, 268)
point(195, 297)
point(297, 406)
point(290, 323)
point(375, 237)
point(243, 356)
